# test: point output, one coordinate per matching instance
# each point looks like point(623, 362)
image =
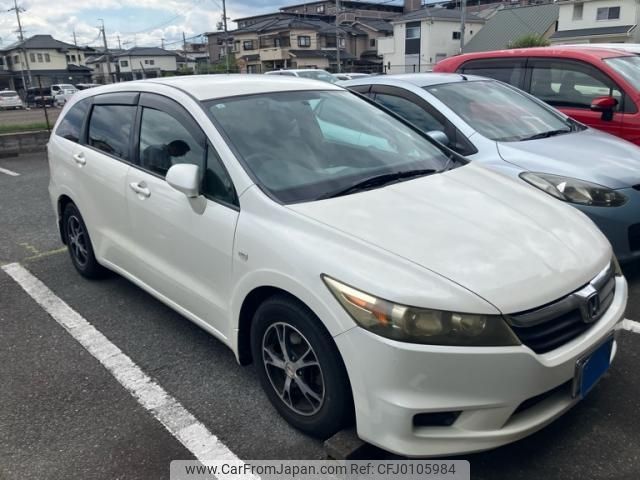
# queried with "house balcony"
point(271, 54)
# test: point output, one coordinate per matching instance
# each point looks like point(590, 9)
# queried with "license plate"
point(590, 368)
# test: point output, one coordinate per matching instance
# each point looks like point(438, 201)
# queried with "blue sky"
point(143, 22)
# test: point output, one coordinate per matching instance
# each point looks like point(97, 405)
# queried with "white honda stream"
point(369, 273)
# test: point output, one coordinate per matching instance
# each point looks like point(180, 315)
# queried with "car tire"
point(319, 400)
point(79, 244)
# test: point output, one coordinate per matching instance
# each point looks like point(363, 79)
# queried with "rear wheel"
point(79, 244)
point(300, 367)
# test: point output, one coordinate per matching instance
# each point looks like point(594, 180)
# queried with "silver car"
point(10, 99)
point(514, 133)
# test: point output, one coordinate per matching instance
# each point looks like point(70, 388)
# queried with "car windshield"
point(500, 112)
point(628, 67)
point(318, 75)
point(8, 94)
point(302, 146)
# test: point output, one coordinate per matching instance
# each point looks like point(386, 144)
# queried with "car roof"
point(207, 87)
point(576, 52)
point(417, 79)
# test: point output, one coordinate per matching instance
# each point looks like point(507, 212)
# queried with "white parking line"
point(166, 409)
point(9, 172)
point(631, 326)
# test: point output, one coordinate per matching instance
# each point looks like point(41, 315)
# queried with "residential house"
point(597, 21)
point(423, 37)
point(100, 68)
point(215, 45)
point(41, 59)
point(146, 62)
point(508, 24)
point(288, 41)
point(306, 36)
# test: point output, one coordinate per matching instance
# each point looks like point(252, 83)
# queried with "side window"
point(564, 84)
point(507, 71)
point(164, 142)
point(410, 111)
point(216, 182)
point(426, 118)
point(71, 125)
point(110, 129)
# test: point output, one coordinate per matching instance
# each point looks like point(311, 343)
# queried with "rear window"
point(71, 125)
point(110, 129)
point(8, 94)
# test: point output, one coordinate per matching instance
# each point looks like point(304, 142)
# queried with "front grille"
point(548, 327)
point(634, 237)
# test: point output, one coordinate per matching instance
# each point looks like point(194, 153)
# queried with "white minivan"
point(370, 274)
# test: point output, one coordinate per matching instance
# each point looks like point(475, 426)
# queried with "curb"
point(15, 144)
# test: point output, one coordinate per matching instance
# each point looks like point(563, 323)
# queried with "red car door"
point(571, 86)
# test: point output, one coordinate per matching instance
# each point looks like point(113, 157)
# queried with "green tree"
point(529, 40)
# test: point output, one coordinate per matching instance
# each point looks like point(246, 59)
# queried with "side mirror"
point(439, 136)
point(606, 105)
point(185, 177)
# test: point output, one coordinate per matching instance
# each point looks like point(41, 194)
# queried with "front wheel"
point(300, 367)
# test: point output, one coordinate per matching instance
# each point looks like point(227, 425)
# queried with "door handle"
point(140, 188)
point(79, 158)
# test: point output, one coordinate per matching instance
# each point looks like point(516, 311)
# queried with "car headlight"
point(575, 191)
point(420, 325)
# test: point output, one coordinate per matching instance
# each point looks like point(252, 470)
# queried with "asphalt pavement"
point(63, 414)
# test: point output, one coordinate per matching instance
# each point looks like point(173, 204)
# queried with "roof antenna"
point(464, 77)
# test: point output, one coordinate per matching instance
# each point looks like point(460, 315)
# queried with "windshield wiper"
point(550, 133)
point(378, 181)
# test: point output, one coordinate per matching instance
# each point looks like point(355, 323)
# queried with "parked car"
point(350, 76)
point(597, 86)
point(514, 133)
point(39, 97)
point(62, 92)
point(9, 99)
point(84, 86)
point(364, 268)
point(313, 73)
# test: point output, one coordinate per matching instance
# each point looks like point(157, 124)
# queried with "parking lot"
point(63, 414)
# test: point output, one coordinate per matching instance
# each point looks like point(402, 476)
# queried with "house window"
point(247, 45)
point(152, 62)
point(372, 42)
point(124, 63)
point(146, 62)
point(578, 8)
point(236, 46)
point(252, 69)
point(413, 31)
point(304, 41)
point(39, 58)
point(455, 36)
point(32, 57)
point(608, 13)
point(320, 9)
point(16, 59)
point(73, 58)
point(47, 58)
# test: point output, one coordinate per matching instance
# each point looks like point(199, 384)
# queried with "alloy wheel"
point(293, 369)
point(77, 239)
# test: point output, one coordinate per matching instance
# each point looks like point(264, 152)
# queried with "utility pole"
point(24, 51)
point(184, 45)
point(75, 42)
point(119, 45)
point(338, 37)
point(106, 51)
point(162, 43)
point(463, 12)
point(226, 36)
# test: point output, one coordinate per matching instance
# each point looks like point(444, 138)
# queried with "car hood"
point(514, 246)
point(589, 155)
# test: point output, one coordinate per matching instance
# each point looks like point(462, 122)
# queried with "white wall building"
point(597, 21)
point(423, 37)
point(146, 62)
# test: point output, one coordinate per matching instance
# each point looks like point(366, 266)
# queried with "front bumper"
point(619, 224)
point(394, 381)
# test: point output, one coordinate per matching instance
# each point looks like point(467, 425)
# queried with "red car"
point(599, 87)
